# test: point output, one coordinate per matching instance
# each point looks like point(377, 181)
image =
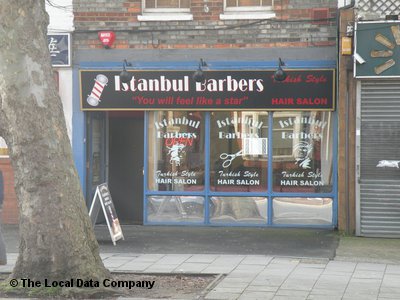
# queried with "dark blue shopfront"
point(236, 150)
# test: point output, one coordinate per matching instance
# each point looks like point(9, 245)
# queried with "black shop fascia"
point(221, 90)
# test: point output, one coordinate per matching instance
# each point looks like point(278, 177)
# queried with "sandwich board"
point(102, 198)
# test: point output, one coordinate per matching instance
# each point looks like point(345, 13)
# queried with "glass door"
point(97, 152)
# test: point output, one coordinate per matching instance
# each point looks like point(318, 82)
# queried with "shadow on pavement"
point(209, 240)
point(222, 240)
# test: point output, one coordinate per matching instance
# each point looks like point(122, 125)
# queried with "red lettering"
point(169, 142)
point(316, 79)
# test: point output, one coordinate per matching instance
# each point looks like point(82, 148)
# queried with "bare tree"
point(56, 237)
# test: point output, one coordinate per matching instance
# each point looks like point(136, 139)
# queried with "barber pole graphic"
point(99, 83)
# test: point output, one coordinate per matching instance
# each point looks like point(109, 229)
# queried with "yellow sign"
point(347, 45)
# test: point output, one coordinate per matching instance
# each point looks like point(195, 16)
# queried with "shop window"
point(283, 148)
point(302, 152)
point(234, 188)
point(176, 151)
point(165, 10)
point(238, 155)
point(238, 210)
point(248, 9)
point(302, 211)
point(254, 142)
point(175, 209)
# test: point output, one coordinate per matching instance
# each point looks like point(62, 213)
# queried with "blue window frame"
point(271, 195)
point(301, 202)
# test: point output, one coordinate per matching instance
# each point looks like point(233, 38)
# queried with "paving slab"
point(256, 274)
point(255, 295)
point(202, 258)
point(191, 268)
point(373, 250)
point(393, 269)
point(222, 296)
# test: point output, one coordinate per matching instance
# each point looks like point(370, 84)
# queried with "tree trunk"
point(56, 237)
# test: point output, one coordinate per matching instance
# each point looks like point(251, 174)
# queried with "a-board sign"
point(102, 198)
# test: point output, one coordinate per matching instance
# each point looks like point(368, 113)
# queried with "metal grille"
point(380, 158)
point(383, 7)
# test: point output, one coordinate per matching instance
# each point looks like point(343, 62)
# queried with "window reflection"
point(238, 154)
point(238, 209)
point(175, 209)
point(306, 211)
point(302, 152)
point(176, 151)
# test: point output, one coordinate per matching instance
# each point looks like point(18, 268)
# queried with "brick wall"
point(9, 213)
point(292, 26)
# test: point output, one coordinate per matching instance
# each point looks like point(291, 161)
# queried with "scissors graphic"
point(228, 158)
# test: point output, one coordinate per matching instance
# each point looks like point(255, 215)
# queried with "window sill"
point(154, 17)
point(246, 15)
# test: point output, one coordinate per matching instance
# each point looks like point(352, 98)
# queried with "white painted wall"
point(61, 21)
point(65, 92)
point(61, 15)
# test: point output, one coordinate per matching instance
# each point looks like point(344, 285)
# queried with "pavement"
point(255, 263)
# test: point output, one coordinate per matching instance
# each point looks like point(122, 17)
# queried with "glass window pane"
point(244, 3)
point(97, 149)
point(150, 3)
point(167, 3)
point(302, 152)
point(307, 211)
point(266, 2)
point(176, 151)
point(185, 4)
point(175, 209)
point(249, 2)
point(238, 209)
point(239, 144)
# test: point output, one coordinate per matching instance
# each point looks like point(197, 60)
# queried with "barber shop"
point(223, 147)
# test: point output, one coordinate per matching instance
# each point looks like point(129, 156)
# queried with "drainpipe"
point(347, 104)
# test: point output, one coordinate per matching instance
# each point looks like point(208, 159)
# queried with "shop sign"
point(377, 49)
point(221, 90)
point(60, 49)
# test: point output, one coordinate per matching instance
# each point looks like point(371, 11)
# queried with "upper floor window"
point(248, 4)
point(248, 9)
point(174, 5)
point(166, 10)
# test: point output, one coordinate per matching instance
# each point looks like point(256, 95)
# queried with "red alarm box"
point(107, 38)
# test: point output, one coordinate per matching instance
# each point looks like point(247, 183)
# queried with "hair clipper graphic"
point(99, 83)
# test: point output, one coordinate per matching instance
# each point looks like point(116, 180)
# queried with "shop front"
point(238, 149)
point(377, 129)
